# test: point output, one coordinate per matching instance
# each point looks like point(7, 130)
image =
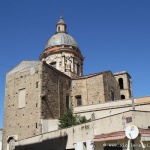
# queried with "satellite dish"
point(131, 132)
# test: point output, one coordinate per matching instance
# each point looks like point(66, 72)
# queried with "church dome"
point(61, 39)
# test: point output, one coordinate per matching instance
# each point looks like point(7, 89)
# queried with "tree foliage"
point(68, 120)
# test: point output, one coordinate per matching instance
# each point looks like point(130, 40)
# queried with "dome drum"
point(60, 49)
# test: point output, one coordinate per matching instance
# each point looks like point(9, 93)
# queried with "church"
point(39, 92)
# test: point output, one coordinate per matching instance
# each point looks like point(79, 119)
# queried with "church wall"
point(125, 80)
point(78, 88)
point(95, 89)
point(127, 89)
point(110, 87)
point(91, 90)
point(55, 89)
point(22, 121)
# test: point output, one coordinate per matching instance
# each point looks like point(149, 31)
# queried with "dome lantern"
point(61, 26)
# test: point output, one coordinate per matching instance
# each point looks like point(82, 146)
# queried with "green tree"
point(68, 120)
point(82, 119)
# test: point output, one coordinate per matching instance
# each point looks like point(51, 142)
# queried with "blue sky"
point(112, 35)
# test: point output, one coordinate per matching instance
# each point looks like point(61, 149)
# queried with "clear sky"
point(112, 35)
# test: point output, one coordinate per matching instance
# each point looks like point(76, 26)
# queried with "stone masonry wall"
point(55, 88)
point(91, 90)
point(127, 87)
point(110, 86)
point(95, 89)
point(24, 122)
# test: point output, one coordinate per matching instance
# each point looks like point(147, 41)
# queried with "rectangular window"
point(78, 69)
point(37, 83)
point(21, 98)
point(128, 119)
point(112, 96)
point(79, 100)
point(67, 101)
point(53, 64)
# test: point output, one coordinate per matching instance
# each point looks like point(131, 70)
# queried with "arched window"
point(78, 69)
point(11, 143)
point(58, 28)
point(53, 64)
point(67, 101)
point(120, 80)
point(122, 97)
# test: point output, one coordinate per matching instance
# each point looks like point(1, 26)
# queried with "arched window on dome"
point(53, 64)
point(58, 28)
point(120, 80)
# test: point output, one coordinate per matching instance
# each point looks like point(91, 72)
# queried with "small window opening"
point(78, 69)
point(79, 100)
point(35, 125)
point(112, 96)
point(37, 84)
point(67, 101)
point(122, 97)
point(130, 95)
point(21, 98)
point(120, 80)
point(58, 28)
point(53, 64)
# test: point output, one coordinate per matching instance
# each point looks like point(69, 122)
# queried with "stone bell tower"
point(62, 52)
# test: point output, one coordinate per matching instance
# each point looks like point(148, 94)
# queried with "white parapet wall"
point(81, 136)
point(101, 110)
point(49, 125)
